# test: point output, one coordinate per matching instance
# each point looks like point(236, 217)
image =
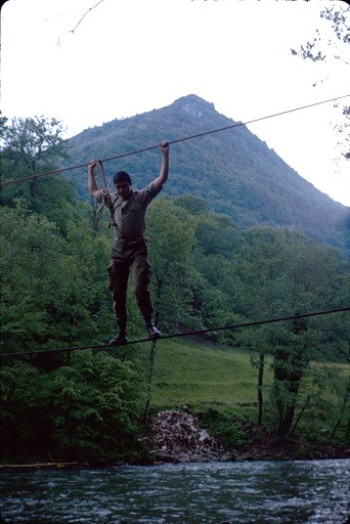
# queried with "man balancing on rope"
point(128, 209)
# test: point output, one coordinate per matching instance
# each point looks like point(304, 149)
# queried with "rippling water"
point(296, 492)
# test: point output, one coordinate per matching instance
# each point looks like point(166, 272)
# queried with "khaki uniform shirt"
point(129, 215)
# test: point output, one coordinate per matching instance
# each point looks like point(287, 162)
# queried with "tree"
point(24, 427)
point(218, 240)
point(54, 290)
point(315, 277)
point(31, 146)
point(291, 360)
point(87, 409)
point(46, 295)
point(261, 293)
point(94, 405)
point(194, 205)
point(344, 396)
point(171, 233)
point(334, 36)
point(33, 143)
point(283, 273)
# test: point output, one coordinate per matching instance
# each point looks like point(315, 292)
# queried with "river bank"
point(177, 436)
point(174, 436)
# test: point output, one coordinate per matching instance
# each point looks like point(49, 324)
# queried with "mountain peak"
point(193, 109)
point(193, 105)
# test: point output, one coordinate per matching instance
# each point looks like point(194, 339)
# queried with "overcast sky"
point(130, 56)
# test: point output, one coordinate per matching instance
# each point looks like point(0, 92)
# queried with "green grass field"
point(202, 376)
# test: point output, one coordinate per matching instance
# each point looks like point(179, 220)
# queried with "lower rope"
point(186, 334)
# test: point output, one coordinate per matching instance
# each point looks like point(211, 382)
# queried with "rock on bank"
point(176, 436)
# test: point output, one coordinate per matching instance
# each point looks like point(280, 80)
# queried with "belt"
point(130, 240)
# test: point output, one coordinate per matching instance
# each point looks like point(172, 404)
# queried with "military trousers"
point(130, 256)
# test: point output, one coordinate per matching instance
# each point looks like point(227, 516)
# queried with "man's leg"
point(141, 276)
point(118, 274)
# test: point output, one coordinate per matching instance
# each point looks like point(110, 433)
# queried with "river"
point(295, 492)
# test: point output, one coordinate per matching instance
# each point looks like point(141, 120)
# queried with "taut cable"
point(177, 335)
point(183, 139)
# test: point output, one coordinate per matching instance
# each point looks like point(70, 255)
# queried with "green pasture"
point(200, 377)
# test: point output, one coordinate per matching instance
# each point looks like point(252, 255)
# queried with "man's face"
point(124, 190)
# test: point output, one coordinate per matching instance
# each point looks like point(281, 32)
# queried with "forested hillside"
point(233, 169)
point(208, 272)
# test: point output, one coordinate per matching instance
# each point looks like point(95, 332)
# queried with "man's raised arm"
point(164, 168)
point(92, 186)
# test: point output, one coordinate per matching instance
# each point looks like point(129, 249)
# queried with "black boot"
point(119, 340)
point(152, 330)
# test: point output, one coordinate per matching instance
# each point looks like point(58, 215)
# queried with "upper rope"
point(183, 139)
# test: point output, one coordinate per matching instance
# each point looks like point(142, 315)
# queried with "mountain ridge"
point(234, 170)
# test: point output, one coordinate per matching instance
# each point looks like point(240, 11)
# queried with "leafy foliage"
point(171, 231)
point(94, 405)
